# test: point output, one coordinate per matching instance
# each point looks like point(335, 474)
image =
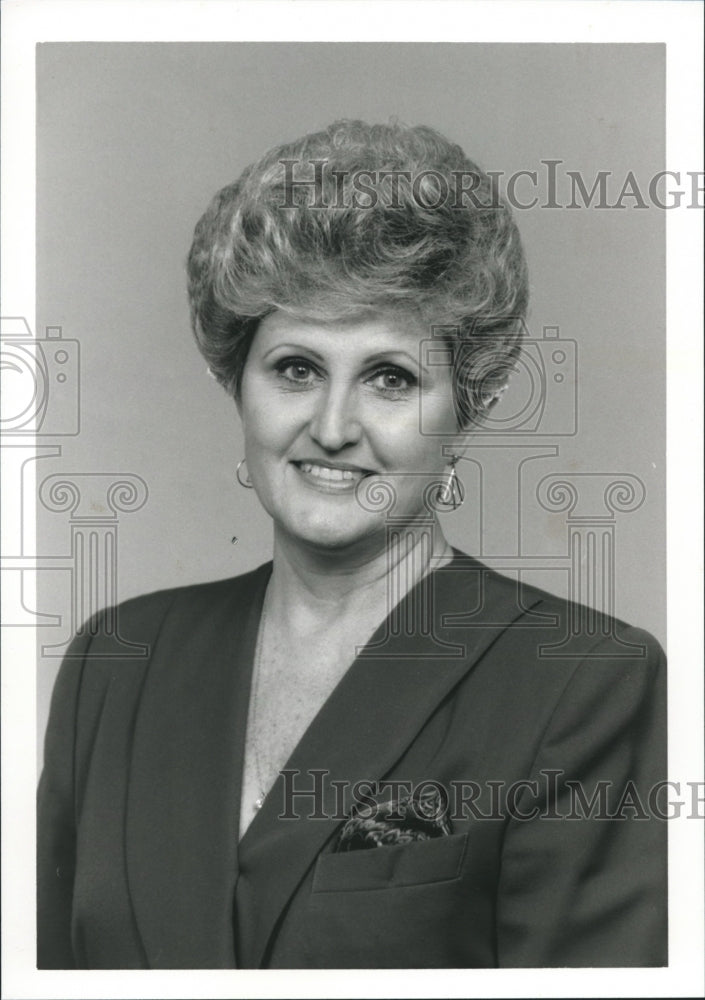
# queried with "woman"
point(360, 293)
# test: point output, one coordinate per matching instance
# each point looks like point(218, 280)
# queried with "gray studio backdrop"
point(133, 140)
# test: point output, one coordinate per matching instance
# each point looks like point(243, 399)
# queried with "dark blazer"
point(472, 682)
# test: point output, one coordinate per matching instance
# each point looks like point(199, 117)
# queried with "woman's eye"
point(393, 380)
point(296, 370)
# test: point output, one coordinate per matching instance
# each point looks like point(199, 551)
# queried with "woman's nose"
point(335, 422)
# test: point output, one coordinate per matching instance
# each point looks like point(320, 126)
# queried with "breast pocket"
point(419, 863)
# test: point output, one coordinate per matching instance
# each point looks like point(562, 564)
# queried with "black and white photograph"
point(352, 521)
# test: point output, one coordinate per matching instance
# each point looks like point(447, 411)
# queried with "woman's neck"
point(311, 588)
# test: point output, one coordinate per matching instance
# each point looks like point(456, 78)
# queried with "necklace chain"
point(255, 700)
point(259, 801)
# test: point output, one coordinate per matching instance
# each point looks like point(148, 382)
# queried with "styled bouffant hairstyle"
point(357, 217)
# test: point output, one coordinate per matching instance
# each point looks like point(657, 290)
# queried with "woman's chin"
point(324, 535)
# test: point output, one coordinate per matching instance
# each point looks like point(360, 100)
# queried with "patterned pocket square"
point(398, 821)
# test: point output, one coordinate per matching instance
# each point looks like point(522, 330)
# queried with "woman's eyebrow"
point(392, 352)
point(387, 355)
point(297, 348)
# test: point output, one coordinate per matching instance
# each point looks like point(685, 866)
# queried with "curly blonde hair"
point(301, 231)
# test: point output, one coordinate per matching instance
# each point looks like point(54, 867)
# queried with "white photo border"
point(678, 25)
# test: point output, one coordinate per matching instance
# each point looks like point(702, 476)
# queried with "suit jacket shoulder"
point(551, 616)
point(151, 669)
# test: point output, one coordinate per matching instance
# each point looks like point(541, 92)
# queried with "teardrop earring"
point(452, 494)
point(243, 480)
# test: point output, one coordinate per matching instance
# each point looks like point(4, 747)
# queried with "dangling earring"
point(452, 494)
point(246, 482)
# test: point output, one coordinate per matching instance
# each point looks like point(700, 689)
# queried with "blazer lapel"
point(363, 729)
point(185, 776)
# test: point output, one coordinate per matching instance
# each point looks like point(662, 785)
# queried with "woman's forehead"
point(364, 330)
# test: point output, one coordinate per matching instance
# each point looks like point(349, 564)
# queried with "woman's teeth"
point(332, 475)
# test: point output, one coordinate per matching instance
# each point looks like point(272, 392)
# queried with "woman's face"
point(326, 404)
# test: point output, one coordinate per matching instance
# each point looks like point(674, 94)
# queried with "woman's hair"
point(358, 217)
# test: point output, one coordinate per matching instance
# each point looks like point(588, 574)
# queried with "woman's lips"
point(335, 478)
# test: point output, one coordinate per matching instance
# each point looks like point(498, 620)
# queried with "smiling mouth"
point(332, 475)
